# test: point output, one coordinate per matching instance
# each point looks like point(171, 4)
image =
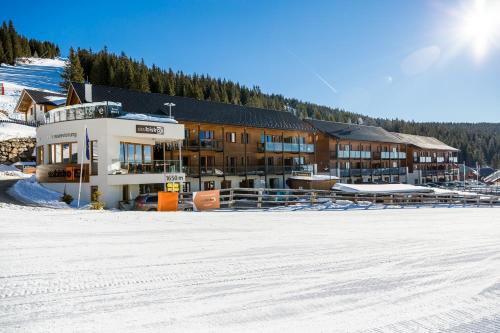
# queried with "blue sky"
point(391, 59)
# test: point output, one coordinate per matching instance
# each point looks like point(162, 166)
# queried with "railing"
point(375, 172)
point(30, 123)
point(204, 144)
point(155, 166)
point(219, 170)
point(84, 111)
point(285, 147)
point(364, 154)
point(263, 198)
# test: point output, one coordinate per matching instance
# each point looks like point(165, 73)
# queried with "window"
point(135, 153)
point(231, 137)
point(209, 185)
point(74, 152)
point(63, 153)
point(225, 184)
point(244, 137)
point(39, 155)
point(206, 135)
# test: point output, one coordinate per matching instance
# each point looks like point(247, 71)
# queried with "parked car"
point(149, 202)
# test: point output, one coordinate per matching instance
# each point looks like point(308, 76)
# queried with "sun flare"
point(479, 26)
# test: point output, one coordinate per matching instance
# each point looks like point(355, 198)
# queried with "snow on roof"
point(145, 117)
point(424, 142)
point(380, 188)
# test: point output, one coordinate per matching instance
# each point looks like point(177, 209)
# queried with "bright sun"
point(480, 26)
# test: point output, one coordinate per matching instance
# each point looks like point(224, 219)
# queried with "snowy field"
point(410, 270)
point(37, 73)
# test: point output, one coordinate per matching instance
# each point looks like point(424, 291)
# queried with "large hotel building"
point(138, 141)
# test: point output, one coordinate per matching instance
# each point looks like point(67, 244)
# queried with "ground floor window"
point(209, 185)
point(39, 155)
point(225, 184)
point(65, 153)
point(187, 187)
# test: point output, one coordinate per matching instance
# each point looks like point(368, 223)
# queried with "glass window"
point(147, 153)
point(39, 155)
point(130, 150)
point(57, 153)
point(122, 152)
point(65, 153)
point(74, 152)
point(138, 153)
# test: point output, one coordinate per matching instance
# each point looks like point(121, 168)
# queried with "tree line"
point(13, 46)
point(477, 142)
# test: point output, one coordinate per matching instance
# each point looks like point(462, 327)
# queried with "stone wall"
point(14, 150)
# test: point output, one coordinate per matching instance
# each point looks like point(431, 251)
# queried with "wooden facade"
point(355, 161)
point(234, 156)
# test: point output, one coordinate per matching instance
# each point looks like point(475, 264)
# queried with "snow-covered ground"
point(411, 270)
point(37, 73)
point(11, 172)
point(11, 131)
point(30, 191)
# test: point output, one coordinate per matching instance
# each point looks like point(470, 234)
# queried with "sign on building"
point(149, 129)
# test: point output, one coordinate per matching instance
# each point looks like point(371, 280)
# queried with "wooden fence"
point(248, 198)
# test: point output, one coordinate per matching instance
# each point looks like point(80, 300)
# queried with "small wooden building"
point(34, 103)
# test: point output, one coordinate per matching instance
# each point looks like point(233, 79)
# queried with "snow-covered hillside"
point(411, 270)
point(34, 73)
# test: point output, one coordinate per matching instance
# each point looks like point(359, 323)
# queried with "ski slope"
point(405, 270)
point(36, 73)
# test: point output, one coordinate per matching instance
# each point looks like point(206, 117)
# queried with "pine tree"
point(73, 71)
point(3, 58)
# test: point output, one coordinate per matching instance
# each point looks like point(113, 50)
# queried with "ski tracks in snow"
point(426, 270)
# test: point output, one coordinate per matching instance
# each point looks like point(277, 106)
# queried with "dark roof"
point(353, 131)
point(189, 109)
point(46, 97)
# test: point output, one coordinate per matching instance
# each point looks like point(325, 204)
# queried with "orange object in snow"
point(168, 201)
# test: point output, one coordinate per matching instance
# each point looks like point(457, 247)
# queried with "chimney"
point(88, 92)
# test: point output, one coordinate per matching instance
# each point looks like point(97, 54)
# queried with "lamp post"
point(169, 104)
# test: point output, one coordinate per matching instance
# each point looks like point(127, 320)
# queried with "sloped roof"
point(424, 142)
point(356, 132)
point(46, 97)
point(189, 109)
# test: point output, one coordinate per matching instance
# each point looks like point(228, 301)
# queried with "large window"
point(39, 155)
point(65, 153)
point(135, 153)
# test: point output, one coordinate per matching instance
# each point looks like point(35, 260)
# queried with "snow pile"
point(327, 205)
point(31, 192)
point(416, 270)
point(380, 188)
point(8, 171)
point(12, 131)
point(146, 117)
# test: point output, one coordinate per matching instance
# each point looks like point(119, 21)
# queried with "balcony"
point(369, 172)
point(219, 170)
point(286, 147)
point(358, 154)
point(204, 144)
point(393, 155)
point(84, 111)
point(150, 167)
